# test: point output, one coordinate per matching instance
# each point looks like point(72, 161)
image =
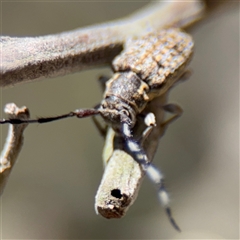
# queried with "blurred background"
point(50, 194)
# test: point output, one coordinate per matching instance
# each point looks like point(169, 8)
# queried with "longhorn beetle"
point(146, 69)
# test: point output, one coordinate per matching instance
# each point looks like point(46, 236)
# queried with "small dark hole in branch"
point(116, 193)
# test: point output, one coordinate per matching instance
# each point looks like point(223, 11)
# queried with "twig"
point(13, 142)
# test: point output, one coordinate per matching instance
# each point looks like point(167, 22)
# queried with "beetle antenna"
point(134, 148)
point(79, 113)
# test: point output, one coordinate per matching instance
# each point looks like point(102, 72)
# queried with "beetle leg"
point(174, 109)
point(101, 129)
point(150, 122)
point(102, 80)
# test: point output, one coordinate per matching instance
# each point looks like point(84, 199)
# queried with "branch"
point(29, 58)
point(14, 142)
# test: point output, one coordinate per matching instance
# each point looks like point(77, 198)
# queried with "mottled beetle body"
point(147, 68)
